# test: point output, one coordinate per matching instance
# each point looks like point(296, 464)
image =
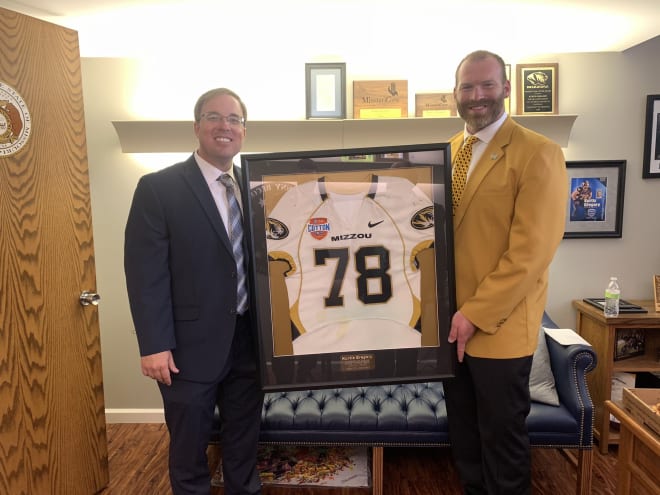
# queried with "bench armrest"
point(570, 365)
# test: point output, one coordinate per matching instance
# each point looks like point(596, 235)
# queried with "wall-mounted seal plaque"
point(15, 121)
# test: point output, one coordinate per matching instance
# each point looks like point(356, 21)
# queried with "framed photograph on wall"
point(352, 252)
point(325, 89)
point(595, 198)
point(651, 164)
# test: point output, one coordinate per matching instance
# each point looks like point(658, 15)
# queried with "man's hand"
point(461, 331)
point(159, 366)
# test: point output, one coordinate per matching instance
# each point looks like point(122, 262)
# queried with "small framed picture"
point(656, 292)
point(651, 164)
point(325, 88)
point(629, 342)
point(595, 198)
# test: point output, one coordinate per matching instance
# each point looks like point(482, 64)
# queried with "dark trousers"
point(487, 406)
point(189, 409)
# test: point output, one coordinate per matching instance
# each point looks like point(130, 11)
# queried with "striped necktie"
point(461, 166)
point(236, 237)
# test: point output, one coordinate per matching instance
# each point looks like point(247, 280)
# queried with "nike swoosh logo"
point(370, 224)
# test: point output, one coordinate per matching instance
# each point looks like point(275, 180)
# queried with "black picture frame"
point(624, 306)
point(325, 90)
point(595, 199)
point(349, 271)
point(651, 164)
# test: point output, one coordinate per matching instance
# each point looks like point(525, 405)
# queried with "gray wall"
point(606, 90)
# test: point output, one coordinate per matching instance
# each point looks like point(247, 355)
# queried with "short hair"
point(212, 93)
point(481, 55)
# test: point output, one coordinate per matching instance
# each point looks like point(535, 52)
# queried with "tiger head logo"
point(537, 78)
point(276, 230)
point(423, 219)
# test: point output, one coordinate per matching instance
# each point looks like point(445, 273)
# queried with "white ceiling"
point(517, 28)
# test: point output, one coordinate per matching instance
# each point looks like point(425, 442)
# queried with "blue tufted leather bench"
point(414, 414)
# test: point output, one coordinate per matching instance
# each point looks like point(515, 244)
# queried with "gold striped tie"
point(461, 165)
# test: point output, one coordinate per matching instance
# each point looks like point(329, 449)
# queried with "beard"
point(495, 108)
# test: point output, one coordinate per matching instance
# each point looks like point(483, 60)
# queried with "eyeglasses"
point(216, 118)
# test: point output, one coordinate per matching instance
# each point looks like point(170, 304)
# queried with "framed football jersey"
point(351, 253)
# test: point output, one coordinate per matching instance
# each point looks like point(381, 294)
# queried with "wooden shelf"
point(639, 364)
point(166, 136)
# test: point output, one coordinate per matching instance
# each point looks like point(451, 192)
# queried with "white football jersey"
point(353, 282)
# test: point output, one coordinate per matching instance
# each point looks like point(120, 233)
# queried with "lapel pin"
point(493, 156)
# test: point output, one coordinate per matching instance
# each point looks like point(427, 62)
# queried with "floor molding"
point(134, 416)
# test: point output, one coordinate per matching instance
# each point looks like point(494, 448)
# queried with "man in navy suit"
point(193, 329)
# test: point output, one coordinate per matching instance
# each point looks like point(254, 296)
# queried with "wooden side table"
point(639, 455)
point(600, 332)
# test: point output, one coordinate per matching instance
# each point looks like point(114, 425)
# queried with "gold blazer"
point(506, 231)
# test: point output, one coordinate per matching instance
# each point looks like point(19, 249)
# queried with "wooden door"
point(52, 412)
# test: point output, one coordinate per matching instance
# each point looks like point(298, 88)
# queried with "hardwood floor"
point(137, 455)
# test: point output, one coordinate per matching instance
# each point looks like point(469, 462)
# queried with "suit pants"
point(487, 406)
point(189, 409)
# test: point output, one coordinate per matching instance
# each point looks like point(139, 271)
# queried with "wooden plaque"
point(435, 105)
point(385, 99)
point(537, 89)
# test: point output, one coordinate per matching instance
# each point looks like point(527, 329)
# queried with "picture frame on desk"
point(651, 163)
point(656, 292)
point(595, 198)
point(624, 306)
point(352, 254)
point(325, 90)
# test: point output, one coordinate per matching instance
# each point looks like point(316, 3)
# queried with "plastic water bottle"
point(612, 297)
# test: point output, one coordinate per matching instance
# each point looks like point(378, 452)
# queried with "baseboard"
point(134, 416)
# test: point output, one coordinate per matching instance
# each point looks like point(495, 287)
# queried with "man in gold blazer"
point(508, 222)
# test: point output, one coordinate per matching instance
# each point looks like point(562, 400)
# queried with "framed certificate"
point(352, 265)
point(537, 89)
point(325, 89)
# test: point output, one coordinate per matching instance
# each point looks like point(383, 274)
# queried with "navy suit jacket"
point(180, 271)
